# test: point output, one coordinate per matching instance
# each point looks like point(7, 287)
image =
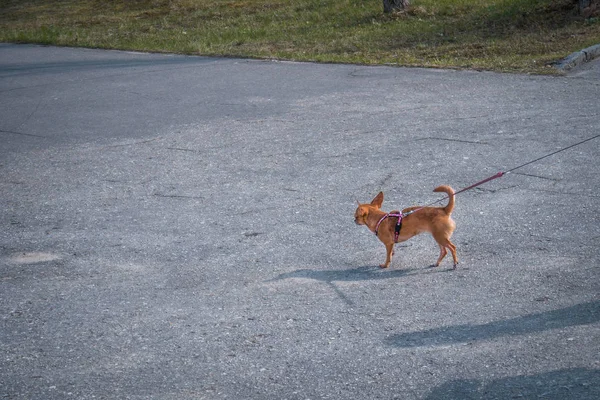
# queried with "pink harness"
point(398, 215)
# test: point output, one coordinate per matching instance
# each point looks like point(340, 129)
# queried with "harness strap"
point(398, 215)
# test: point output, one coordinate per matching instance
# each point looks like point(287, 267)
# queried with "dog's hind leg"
point(452, 249)
point(444, 244)
point(443, 253)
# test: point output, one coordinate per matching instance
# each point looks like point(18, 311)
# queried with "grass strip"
point(499, 35)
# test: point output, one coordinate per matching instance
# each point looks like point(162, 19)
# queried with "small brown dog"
point(391, 230)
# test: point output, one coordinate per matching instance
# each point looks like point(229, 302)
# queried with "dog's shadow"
point(330, 277)
point(367, 273)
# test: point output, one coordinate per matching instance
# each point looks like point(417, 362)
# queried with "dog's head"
point(362, 211)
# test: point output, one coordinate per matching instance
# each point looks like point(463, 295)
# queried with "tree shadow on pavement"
point(581, 314)
point(575, 384)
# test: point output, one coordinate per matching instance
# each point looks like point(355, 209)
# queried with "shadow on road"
point(347, 275)
point(118, 62)
point(575, 384)
point(581, 314)
point(329, 277)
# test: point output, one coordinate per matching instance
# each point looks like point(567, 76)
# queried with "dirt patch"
point(33, 257)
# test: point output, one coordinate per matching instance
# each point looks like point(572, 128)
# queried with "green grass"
point(500, 35)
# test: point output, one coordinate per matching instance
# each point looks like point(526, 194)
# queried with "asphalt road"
point(182, 228)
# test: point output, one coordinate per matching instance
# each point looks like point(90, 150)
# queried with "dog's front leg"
point(389, 248)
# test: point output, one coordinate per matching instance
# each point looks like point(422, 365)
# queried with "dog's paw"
point(384, 265)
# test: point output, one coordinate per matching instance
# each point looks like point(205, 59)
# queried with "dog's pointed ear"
point(378, 200)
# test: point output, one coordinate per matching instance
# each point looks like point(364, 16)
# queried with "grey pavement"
point(182, 228)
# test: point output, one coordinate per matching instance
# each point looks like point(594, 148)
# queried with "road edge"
point(578, 58)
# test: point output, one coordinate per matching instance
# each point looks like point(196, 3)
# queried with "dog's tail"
point(444, 188)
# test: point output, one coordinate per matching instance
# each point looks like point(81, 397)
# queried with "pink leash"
point(500, 174)
point(491, 178)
